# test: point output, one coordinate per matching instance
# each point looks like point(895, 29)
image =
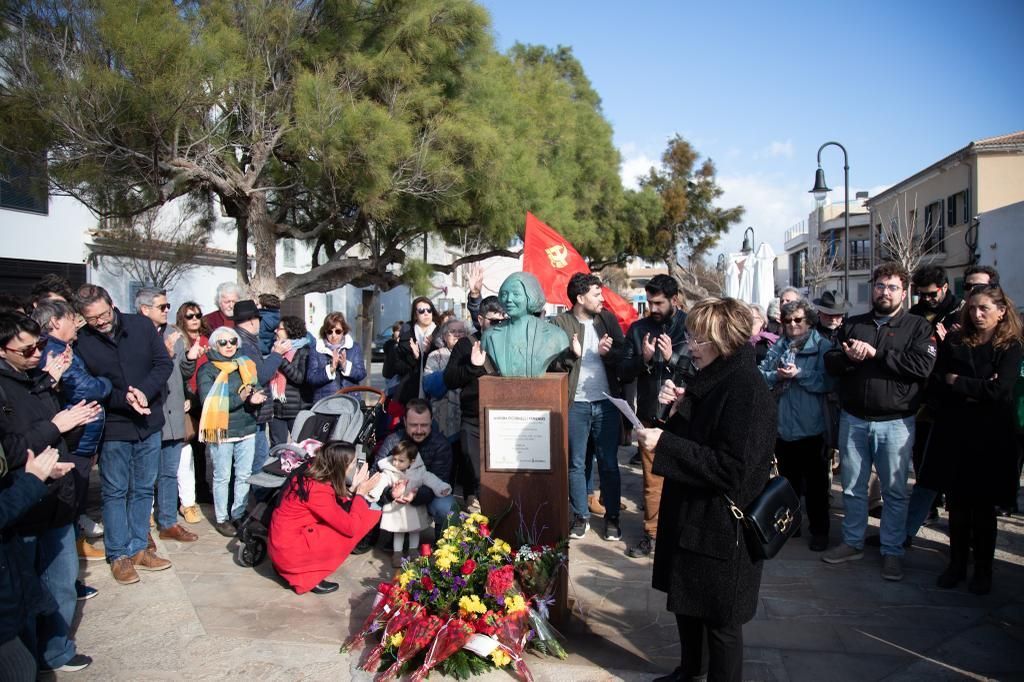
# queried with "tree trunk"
point(264, 242)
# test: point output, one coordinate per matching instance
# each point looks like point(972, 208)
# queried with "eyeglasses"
point(793, 320)
point(493, 318)
point(227, 342)
point(457, 332)
point(928, 294)
point(193, 316)
point(693, 343)
point(421, 311)
point(29, 351)
point(105, 315)
point(336, 332)
point(163, 306)
point(891, 288)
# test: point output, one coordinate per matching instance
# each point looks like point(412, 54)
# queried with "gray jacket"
point(174, 404)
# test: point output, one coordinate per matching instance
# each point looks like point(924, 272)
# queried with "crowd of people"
point(178, 411)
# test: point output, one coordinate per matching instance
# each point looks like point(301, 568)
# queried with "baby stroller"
point(341, 416)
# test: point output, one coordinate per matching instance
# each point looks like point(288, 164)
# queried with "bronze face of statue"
point(523, 345)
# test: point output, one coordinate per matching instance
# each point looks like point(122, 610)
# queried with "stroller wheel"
point(252, 552)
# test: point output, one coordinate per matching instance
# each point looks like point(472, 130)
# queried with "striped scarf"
point(213, 424)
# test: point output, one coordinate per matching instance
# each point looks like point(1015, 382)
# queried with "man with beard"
point(936, 303)
point(882, 362)
point(656, 350)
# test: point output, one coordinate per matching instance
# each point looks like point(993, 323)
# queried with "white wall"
point(1001, 243)
point(57, 237)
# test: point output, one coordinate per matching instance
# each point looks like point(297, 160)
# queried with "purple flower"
point(416, 595)
point(425, 570)
point(434, 594)
point(458, 582)
point(374, 626)
point(500, 600)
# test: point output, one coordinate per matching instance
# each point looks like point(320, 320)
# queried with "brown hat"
point(245, 310)
point(830, 303)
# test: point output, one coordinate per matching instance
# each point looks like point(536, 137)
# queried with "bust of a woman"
point(523, 345)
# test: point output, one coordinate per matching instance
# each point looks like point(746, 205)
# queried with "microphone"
point(664, 409)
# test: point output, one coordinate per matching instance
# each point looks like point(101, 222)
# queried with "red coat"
point(217, 319)
point(310, 540)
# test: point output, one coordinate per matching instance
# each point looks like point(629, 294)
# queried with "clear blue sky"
point(760, 86)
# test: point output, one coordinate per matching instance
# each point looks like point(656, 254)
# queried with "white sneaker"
point(91, 529)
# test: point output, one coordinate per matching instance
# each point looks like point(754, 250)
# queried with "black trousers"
point(709, 649)
point(972, 526)
point(804, 463)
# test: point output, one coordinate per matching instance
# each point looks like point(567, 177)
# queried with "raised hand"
point(196, 350)
point(415, 348)
point(475, 279)
point(647, 348)
point(171, 340)
point(42, 465)
point(364, 487)
point(576, 346)
point(604, 345)
point(477, 356)
point(75, 415)
point(665, 346)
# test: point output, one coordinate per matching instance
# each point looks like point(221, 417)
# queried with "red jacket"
point(310, 540)
point(217, 319)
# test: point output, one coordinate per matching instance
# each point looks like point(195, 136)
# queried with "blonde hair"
point(725, 322)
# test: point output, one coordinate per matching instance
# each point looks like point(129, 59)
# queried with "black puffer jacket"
point(28, 405)
point(889, 385)
point(720, 443)
point(298, 394)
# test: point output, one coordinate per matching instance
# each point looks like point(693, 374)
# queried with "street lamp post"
point(748, 242)
point(820, 191)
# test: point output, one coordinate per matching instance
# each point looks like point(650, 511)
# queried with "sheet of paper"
point(625, 409)
point(519, 439)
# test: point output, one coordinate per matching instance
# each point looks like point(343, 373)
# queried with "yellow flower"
point(443, 562)
point(500, 547)
point(472, 604)
point(500, 658)
point(397, 639)
point(450, 533)
point(475, 518)
point(515, 604)
point(404, 579)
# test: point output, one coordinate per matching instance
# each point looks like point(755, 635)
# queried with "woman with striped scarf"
point(231, 397)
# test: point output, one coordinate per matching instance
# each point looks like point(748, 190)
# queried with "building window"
point(934, 229)
point(288, 252)
point(860, 254)
point(23, 184)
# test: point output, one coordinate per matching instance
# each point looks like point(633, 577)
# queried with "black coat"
point(650, 376)
point(972, 451)
point(135, 356)
point(298, 394)
point(28, 405)
point(406, 365)
point(462, 375)
point(719, 443)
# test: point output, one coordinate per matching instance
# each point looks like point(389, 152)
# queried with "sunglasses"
point(227, 342)
point(29, 351)
point(421, 311)
point(928, 294)
point(793, 320)
point(193, 316)
point(336, 331)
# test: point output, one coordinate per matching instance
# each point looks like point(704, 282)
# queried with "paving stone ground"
point(208, 618)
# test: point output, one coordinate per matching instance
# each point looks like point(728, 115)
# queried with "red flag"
point(553, 260)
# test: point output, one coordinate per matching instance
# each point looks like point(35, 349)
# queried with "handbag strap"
point(772, 473)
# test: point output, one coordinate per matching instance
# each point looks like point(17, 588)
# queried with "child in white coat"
point(402, 518)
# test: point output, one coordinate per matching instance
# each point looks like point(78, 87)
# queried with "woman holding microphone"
point(717, 442)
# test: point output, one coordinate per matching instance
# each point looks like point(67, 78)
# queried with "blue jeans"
point(440, 509)
point(262, 448)
point(921, 500)
point(596, 422)
point(225, 455)
point(127, 474)
point(167, 483)
point(888, 445)
point(56, 562)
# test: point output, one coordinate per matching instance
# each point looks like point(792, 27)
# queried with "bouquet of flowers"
point(471, 589)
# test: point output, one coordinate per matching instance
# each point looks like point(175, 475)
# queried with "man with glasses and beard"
point(655, 351)
point(127, 350)
point(882, 362)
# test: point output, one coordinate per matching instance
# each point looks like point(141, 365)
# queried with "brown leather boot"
point(123, 571)
point(146, 560)
point(594, 504)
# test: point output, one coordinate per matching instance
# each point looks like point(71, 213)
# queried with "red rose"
point(468, 567)
point(427, 583)
point(484, 530)
point(426, 549)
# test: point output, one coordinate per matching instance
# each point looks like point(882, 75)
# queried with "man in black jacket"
point(592, 360)
point(127, 350)
point(655, 351)
point(936, 303)
point(883, 361)
point(33, 420)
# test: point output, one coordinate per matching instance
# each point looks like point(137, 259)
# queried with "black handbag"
point(771, 518)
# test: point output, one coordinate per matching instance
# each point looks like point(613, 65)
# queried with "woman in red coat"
point(319, 520)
